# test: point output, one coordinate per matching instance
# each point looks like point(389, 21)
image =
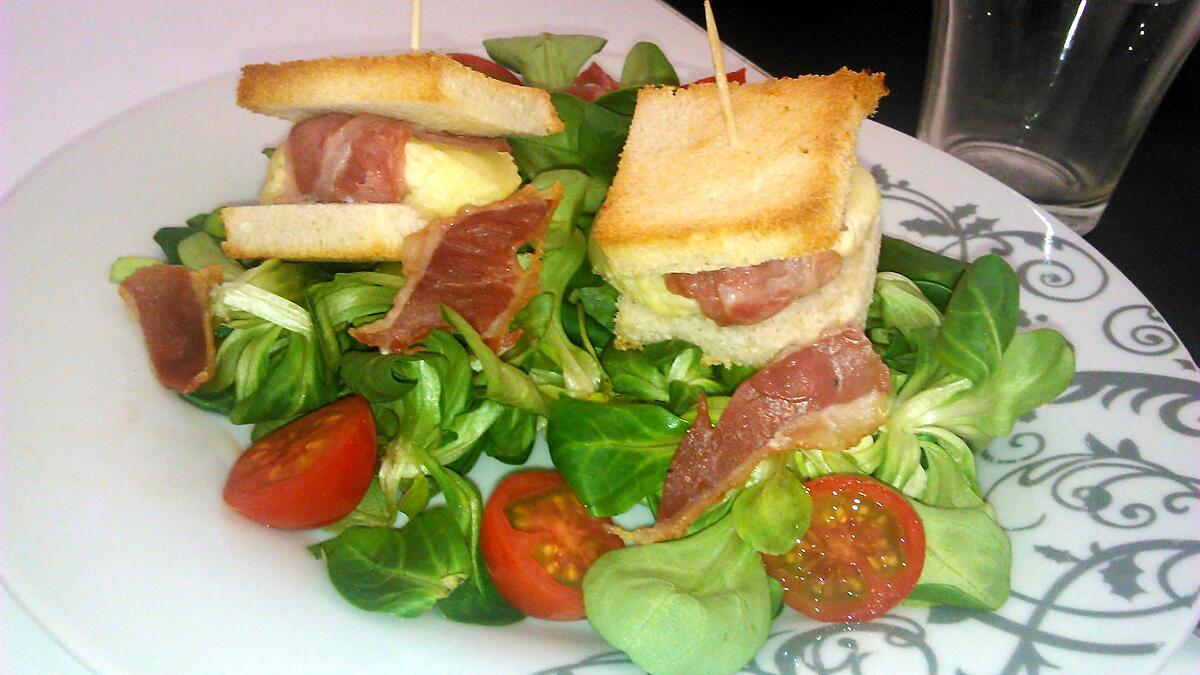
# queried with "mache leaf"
point(402, 572)
point(697, 605)
point(613, 455)
point(980, 319)
point(646, 64)
point(545, 60)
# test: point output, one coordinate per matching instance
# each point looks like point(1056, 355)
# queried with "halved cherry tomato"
point(862, 554)
point(485, 66)
point(310, 472)
point(538, 540)
point(738, 75)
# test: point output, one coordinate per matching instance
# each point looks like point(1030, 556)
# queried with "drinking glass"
point(1050, 96)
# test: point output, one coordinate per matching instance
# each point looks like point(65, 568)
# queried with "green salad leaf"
point(350, 299)
point(545, 60)
point(591, 141)
point(124, 267)
point(265, 373)
point(201, 250)
point(506, 383)
point(648, 374)
point(510, 439)
point(375, 509)
point(403, 572)
point(959, 379)
point(968, 558)
point(702, 604)
point(773, 514)
point(545, 350)
point(646, 64)
point(935, 274)
point(570, 207)
point(476, 600)
point(613, 455)
point(168, 239)
point(981, 319)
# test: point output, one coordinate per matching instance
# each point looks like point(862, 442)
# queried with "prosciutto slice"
point(171, 305)
point(741, 296)
point(827, 396)
point(468, 263)
point(344, 158)
point(471, 142)
point(593, 83)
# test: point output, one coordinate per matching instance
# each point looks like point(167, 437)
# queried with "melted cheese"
point(651, 290)
point(441, 178)
point(444, 178)
point(277, 175)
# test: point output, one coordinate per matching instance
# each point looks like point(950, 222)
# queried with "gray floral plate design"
point(116, 540)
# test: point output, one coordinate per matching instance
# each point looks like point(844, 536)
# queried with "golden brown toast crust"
point(684, 200)
point(430, 85)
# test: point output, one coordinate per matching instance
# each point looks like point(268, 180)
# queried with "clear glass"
point(1049, 96)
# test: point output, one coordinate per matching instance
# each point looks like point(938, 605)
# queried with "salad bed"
point(612, 418)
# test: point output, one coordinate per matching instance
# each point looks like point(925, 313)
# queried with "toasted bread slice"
point(428, 89)
point(336, 232)
point(841, 302)
point(685, 200)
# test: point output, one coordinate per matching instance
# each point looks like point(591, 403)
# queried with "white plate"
point(116, 539)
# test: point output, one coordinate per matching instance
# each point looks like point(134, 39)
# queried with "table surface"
point(68, 67)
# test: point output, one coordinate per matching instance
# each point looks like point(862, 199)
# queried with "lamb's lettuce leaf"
point(398, 571)
point(968, 558)
point(546, 61)
point(697, 605)
point(591, 141)
point(774, 513)
point(646, 64)
point(613, 455)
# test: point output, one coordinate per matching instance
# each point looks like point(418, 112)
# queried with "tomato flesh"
point(486, 66)
point(539, 540)
point(308, 473)
point(861, 556)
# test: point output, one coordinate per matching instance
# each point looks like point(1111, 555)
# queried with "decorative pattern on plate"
point(1093, 509)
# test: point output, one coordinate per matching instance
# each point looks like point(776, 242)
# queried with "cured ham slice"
point(742, 296)
point(825, 396)
point(593, 83)
point(468, 263)
point(738, 76)
point(344, 158)
point(472, 142)
point(171, 305)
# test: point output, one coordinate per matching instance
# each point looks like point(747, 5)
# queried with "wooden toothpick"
point(415, 27)
point(718, 59)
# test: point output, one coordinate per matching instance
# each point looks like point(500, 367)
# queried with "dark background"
point(1151, 230)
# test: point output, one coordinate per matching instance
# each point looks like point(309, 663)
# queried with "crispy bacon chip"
point(171, 303)
point(825, 396)
point(469, 263)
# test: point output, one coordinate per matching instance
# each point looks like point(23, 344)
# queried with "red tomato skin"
point(506, 550)
point(277, 483)
point(738, 76)
point(486, 66)
point(886, 593)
